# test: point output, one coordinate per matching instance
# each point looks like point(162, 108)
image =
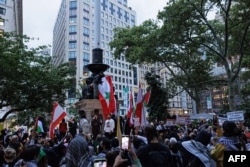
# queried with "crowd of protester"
point(156, 144)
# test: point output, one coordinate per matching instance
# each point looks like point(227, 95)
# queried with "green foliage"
point(245, 90)
point(184, 33)
point(158, 103)
point(28, 79)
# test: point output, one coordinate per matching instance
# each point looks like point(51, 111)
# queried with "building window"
point(2, 11)
point(72, 12)
point(72, 29)
point(86, 46)
point(85, 31)
point(72, 37)
point(72, 54)
point(86, 21)
point(72, 44)
point(85, 14)
point(72, 4)
point(85, 56)
point(1, 31)
point(85, 7)
point(2, 1)
point(72, 20)
point(86, 39)
point(2, 22)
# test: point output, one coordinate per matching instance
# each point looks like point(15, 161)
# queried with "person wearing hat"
point(176, 156)
point(195, 152)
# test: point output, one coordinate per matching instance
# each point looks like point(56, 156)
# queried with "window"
point(85, 31)
point(72, 29)
point(2, 11)
point(72, 37)
point(1, 31)
point(86, 39)
point(72, 44)
point(2, 1)
point(86, 46)
point(86, 21)
point(85, 14)
point(72, 4)
point(2, 22)
point(72, 54)
point(85, 56)
point(72, 20)
point(85, 7)
point(72, 12)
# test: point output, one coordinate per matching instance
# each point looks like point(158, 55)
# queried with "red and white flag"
point(139, 103)
point(58, 114)
point(130, 114)
point(106, 96)
point(146, 97)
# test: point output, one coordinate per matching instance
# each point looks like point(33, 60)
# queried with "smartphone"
point(125, 142)
point(100, 162)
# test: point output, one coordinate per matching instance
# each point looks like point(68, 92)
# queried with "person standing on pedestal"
point(109, 127)
point(84, 124)
point(96, 124)
point(72, 126)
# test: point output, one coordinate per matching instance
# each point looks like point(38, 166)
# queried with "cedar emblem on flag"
point(106, 96)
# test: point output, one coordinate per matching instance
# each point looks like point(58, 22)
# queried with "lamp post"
point(209, 100)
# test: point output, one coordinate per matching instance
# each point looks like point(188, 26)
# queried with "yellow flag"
point(118, 130)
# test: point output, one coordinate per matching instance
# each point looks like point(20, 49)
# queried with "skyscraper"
point(11, 16)
point(74, 37)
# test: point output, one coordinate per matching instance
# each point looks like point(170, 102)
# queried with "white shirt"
point(109, 125)
point(84, 124)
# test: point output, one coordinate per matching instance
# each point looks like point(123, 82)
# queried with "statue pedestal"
point(90, 106)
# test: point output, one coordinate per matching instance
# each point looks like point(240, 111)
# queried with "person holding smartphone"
point(127, 155)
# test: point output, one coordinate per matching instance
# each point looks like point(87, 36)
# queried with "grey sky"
point(39, 16)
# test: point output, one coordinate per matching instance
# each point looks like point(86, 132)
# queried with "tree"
point(157, 107)
point(28, 80)
point(148, 43)
point(184, 35)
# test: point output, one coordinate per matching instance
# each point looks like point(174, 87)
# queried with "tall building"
point(74, 37)
point(11, 16)
point(11, 20)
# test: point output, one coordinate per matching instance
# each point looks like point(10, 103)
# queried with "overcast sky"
point(39, 16)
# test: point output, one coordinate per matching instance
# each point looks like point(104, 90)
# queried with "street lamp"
point(209, 100)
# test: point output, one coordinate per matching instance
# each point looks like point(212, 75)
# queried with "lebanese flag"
point(130, 113)
point(106, 96)
point(139, 103)
point(58, 114)
point(146, 97)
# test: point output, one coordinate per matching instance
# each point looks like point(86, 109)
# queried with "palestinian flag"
point(39, 126)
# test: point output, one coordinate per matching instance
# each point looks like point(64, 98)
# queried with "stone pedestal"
point(90, 106)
